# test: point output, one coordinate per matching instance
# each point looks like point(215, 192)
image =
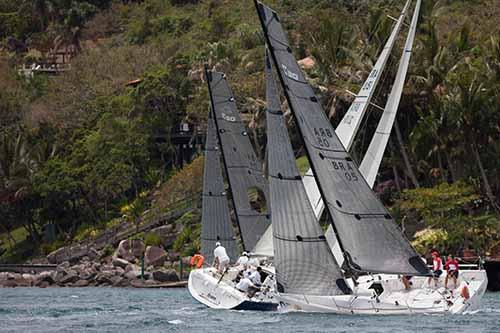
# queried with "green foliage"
point(452, 217)
point(47, 248)
point(188, 240)
point(108, 250)
point(152, 239)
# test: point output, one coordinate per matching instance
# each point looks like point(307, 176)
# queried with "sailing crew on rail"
point(437, 268)
point(221, 259)
point(451, 271)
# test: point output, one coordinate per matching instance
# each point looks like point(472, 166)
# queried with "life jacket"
point(197, 260)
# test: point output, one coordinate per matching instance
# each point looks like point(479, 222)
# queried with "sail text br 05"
point(243, 169)
point(368, 236)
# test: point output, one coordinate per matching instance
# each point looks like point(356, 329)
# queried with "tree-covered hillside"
point(92, 146)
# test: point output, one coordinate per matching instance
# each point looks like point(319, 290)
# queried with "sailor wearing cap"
point(221, 259)
point(243, 260)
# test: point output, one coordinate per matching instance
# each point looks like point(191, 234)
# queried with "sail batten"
point(242, 166)
point(373, 157)
point(373, 244)
point(302, 257)
point(215, 219)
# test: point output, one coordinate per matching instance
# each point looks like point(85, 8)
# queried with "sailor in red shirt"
point(452, 270)
point(437, 268)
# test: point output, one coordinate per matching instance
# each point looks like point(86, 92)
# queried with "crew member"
point(255, 277)
point(221, 259)
point(437, 268)
point(245, 285)
point(243, 260)
point(451, 267)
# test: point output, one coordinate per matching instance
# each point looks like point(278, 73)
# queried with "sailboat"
point(226, 135)
point(308, 278)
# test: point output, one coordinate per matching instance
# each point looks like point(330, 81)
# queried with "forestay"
point(244, 171)
point(367, 233)
point(215, 219)
point(373, 156)
point(302, 257)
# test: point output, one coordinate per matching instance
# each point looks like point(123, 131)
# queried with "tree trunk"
point(441, 168)
point(394, 168)
point(451, 167)
point(11, 239)
point(409, 169)
point(486, 183)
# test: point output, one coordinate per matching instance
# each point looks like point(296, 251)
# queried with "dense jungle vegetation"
point(80, 150)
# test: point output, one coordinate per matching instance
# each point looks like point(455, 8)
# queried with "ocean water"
point(173, 310)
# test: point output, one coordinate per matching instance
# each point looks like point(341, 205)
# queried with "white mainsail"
point(373, 156)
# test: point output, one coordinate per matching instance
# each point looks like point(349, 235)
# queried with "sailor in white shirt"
point(221, 259)
point(255, 277)
point(243, 260)
point(244, 285)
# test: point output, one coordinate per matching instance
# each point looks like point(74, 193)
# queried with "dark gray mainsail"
point(215, 218)
point(303, 260)
point(243, 169)
point(368, 236)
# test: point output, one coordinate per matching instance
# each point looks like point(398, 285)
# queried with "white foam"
point(175, 322)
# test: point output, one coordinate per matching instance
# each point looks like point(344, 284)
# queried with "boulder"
point(132, 267)
point(81, 283)
point(43, 284)
point(69, 278)
point(9, 284)
point(104, 278)
point(154, 256)
point(132, 274)
point(64, 265)
point(119, 262)
point(44, 278)
point(130, 249)
point(116, 281)
point(168, 275)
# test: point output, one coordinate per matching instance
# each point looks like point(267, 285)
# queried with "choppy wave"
point(132, 310)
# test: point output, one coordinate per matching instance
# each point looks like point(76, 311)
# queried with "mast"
point(373, 156)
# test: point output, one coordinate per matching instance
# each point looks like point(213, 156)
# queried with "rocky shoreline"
point(122, 269)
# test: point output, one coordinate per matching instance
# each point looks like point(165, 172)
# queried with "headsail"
point(215, 218)
point(244, 171)
point(373, 156)
point(349, 125)
point(302, 257)
point(368, 235)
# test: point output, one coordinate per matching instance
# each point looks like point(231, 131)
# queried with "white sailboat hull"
point(207, 287)
point(394, 299)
